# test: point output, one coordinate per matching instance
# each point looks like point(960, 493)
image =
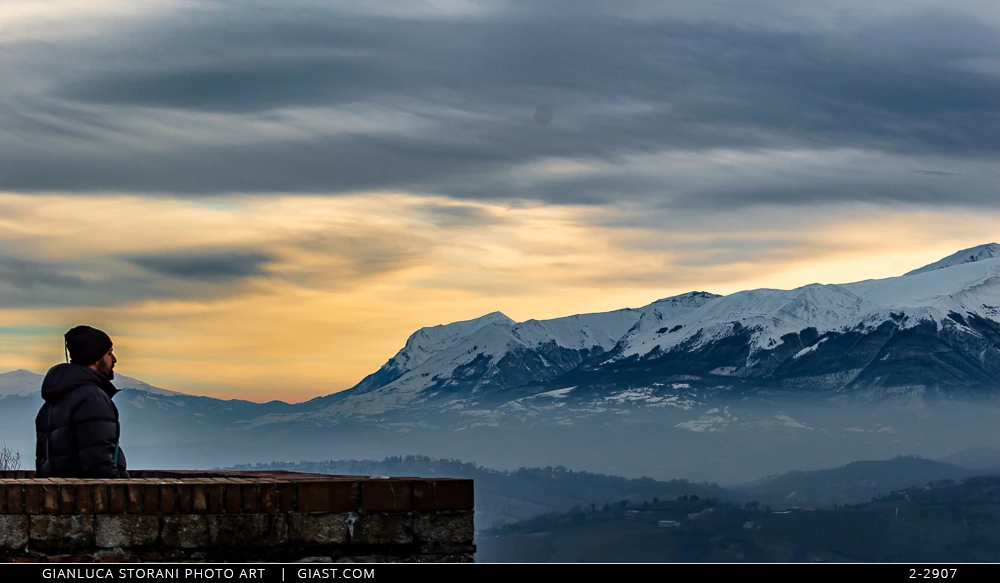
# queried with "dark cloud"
point(206, 267)
point(497, 93)
point(937, 173)
point(460, 215)
point(544, 114)
point(27, 282)
point(232, 87)
point(28, 275)
point(34, 283)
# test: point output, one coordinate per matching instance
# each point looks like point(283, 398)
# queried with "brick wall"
point(235, 516)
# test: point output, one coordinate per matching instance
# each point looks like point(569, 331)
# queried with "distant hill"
point(976, 458)
point(26, 383)
point(852, 483)
point(510, 496)
point(954, 523)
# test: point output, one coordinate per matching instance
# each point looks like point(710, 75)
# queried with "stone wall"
point(235, 516)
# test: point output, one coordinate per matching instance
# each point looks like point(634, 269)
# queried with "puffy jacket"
point(77, 429)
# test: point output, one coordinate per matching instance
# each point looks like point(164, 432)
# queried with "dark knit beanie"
point(87, 345)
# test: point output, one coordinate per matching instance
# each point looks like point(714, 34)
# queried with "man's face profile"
point(107, 364)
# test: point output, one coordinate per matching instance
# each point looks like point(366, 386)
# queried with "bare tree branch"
point(10, 459)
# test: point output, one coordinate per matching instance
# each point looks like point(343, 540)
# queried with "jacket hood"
point(63, 378)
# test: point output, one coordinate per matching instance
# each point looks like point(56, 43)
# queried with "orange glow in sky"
point(343, 281)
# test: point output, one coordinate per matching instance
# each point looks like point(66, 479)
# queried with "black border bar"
point(322, 572)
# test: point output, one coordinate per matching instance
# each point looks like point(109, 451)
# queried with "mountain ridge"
point(970, 255)
point(749, 334)
point(22, 382)
point(752, 334)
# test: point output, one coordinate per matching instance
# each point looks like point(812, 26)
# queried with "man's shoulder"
point(87, 392)
point(93, 389)
point(66, 377)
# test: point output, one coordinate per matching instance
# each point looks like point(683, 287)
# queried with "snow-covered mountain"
point(20, 382)
point(971, 255)
point(931, 294)
point(493, 354)
point(25, 383)
point(931, 330)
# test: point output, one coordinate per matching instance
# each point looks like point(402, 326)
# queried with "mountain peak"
point(25, 382)
point(691, 299)
point(494, 317)
point(428, 341)
point(19, 372)
point(20, 382)
point(970, 255)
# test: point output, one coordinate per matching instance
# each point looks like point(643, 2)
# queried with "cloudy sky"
point(263, 199)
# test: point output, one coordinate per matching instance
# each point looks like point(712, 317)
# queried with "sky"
point(263, 200)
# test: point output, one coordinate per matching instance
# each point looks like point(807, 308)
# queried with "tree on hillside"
point(10, 459)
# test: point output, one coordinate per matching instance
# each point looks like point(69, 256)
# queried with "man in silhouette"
point(77, 429)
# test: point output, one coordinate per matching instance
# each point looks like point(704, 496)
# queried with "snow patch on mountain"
point(810, 348)
point(556, 394)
